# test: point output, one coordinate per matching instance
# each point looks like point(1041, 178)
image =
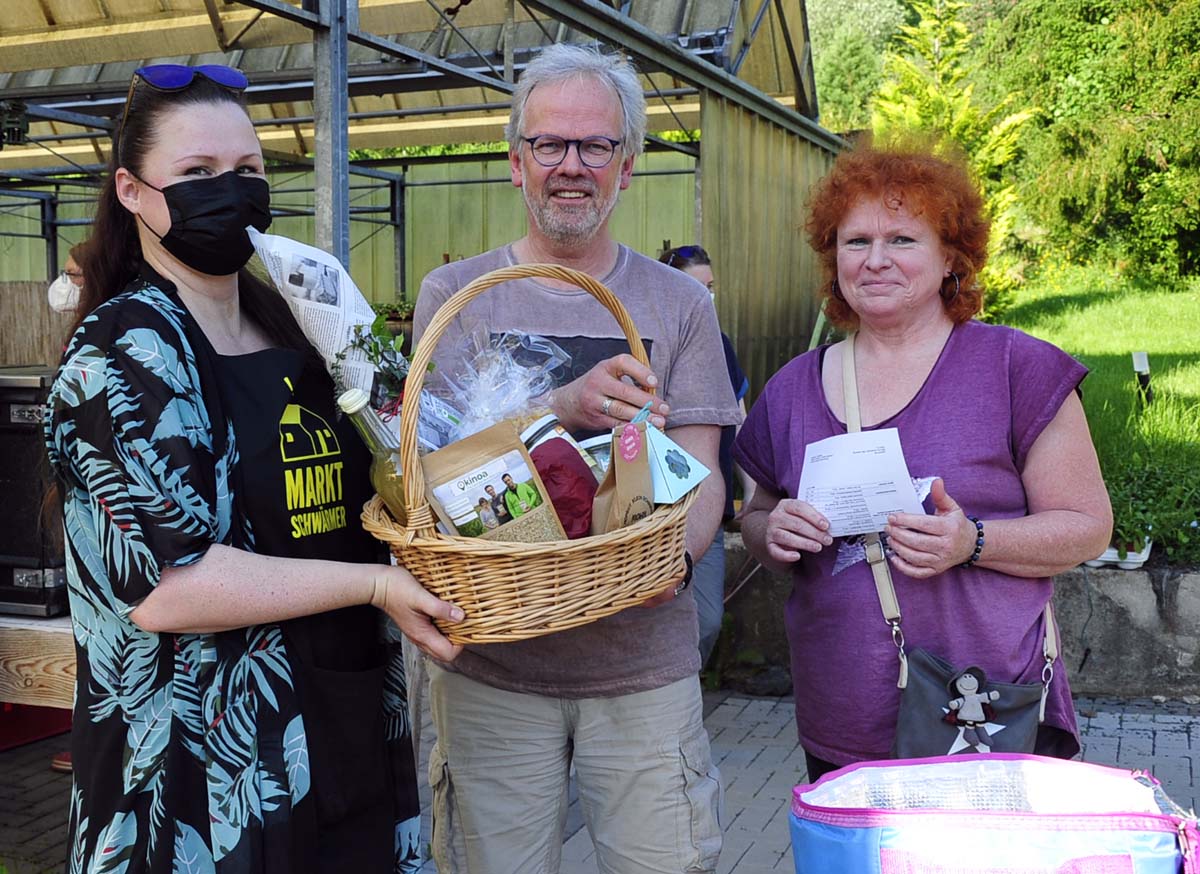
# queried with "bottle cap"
point(353, 400)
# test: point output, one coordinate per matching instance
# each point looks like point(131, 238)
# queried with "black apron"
point(304, 476)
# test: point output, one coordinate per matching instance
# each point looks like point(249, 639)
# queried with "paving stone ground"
point(753, 741)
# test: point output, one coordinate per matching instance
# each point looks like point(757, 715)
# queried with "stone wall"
point(1124, 633)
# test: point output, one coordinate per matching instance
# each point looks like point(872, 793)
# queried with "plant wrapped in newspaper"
point(384, 352)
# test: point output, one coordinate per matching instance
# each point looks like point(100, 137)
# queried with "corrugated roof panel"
point(281, 71)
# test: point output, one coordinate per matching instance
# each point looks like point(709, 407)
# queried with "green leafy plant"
point(1157, 500)
point(1112, 166)
point(1129, 490)
point(384, 350)
point(393, 310)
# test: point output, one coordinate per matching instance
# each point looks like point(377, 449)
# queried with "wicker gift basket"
point(515, 591)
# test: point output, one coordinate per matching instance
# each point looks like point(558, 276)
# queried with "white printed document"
point(857, 480)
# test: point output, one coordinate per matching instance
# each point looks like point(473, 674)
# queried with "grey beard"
point(571, 230)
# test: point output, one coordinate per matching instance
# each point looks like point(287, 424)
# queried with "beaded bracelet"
point(978, 542)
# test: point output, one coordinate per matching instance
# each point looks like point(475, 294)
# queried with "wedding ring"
point(606, 407)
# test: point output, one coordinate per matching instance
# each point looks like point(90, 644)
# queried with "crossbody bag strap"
point(876, 558)
point(1050, 652)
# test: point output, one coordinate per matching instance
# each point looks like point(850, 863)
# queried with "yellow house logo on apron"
point(313, 470)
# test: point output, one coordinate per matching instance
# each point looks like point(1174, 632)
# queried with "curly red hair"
point(938, 189)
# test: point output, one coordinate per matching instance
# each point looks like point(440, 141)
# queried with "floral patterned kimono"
point(229, 752)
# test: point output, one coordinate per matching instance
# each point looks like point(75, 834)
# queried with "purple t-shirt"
point(986, 400)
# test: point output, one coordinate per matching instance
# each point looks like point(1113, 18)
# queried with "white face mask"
point(713, 297)
point(63, 294)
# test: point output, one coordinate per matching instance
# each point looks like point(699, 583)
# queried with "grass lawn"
point(1150, 454)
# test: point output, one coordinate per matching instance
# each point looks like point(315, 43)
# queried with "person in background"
point(992, 413)
point(618, 698)
point(236, 709)
point(63, 293)
point(708, 581)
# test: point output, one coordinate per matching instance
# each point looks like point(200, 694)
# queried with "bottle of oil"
point(385, 460)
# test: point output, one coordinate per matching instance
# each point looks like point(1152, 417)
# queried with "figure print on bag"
point(971, 711)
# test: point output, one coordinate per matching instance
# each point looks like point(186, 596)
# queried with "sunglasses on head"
point(177, 77)
point(684, 253)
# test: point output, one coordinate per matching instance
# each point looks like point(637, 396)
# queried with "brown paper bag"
point(626, 493)
point(486, 486)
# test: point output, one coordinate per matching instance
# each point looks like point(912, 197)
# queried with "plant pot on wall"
point(1124, 557)
point(397, 319)
point(402, 326)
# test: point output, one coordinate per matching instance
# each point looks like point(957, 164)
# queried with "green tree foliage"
point(1113, 164)
point(877, 20)
point(849, 38)
point(927, 89)
point(849, 73)
point(428, 151)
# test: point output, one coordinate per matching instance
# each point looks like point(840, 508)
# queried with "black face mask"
point(209, 219)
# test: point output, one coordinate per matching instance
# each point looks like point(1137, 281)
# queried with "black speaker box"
point(32, 580)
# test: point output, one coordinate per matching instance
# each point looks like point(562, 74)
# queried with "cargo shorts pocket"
point(701, 832)
point(448, 855)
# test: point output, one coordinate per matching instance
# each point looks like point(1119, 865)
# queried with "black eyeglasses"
point(176, 77)
point(595, 152)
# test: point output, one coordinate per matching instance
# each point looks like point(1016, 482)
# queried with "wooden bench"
point(37, 661)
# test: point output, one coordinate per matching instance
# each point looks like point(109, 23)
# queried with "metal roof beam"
point(753, 32)
point(168, 34)
point(362, 36)
point(285, 86)
point(692, 150)
point(797, 71)
point(465, 75)
point(601, 21)
point(46, 113)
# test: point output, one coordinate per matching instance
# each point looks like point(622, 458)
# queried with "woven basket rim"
point(378, 520)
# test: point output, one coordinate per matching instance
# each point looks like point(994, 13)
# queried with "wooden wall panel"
point(755, 179)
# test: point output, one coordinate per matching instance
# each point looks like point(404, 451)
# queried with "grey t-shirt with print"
point(639, 648)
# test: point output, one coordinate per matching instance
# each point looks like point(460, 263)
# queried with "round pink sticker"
point(630, 442)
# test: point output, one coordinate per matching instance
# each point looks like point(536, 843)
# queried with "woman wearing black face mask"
point(237, 709)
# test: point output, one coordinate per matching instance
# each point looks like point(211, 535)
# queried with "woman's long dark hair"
point(112, 256)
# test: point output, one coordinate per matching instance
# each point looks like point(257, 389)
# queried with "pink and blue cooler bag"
point(995, 814)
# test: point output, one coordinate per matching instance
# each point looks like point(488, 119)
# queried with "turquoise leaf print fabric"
point(190, 750)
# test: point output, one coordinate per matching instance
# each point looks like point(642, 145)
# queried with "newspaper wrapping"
point(324, 299)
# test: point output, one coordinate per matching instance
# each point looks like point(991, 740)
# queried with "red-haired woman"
point(990, 411)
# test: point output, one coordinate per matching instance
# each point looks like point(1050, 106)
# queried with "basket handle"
point(420, 515)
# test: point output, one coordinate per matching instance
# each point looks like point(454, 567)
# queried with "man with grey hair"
point(619, 698)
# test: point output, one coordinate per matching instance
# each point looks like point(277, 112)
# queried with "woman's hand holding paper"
point(925, 545)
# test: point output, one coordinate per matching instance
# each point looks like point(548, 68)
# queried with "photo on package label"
point(489, 495)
